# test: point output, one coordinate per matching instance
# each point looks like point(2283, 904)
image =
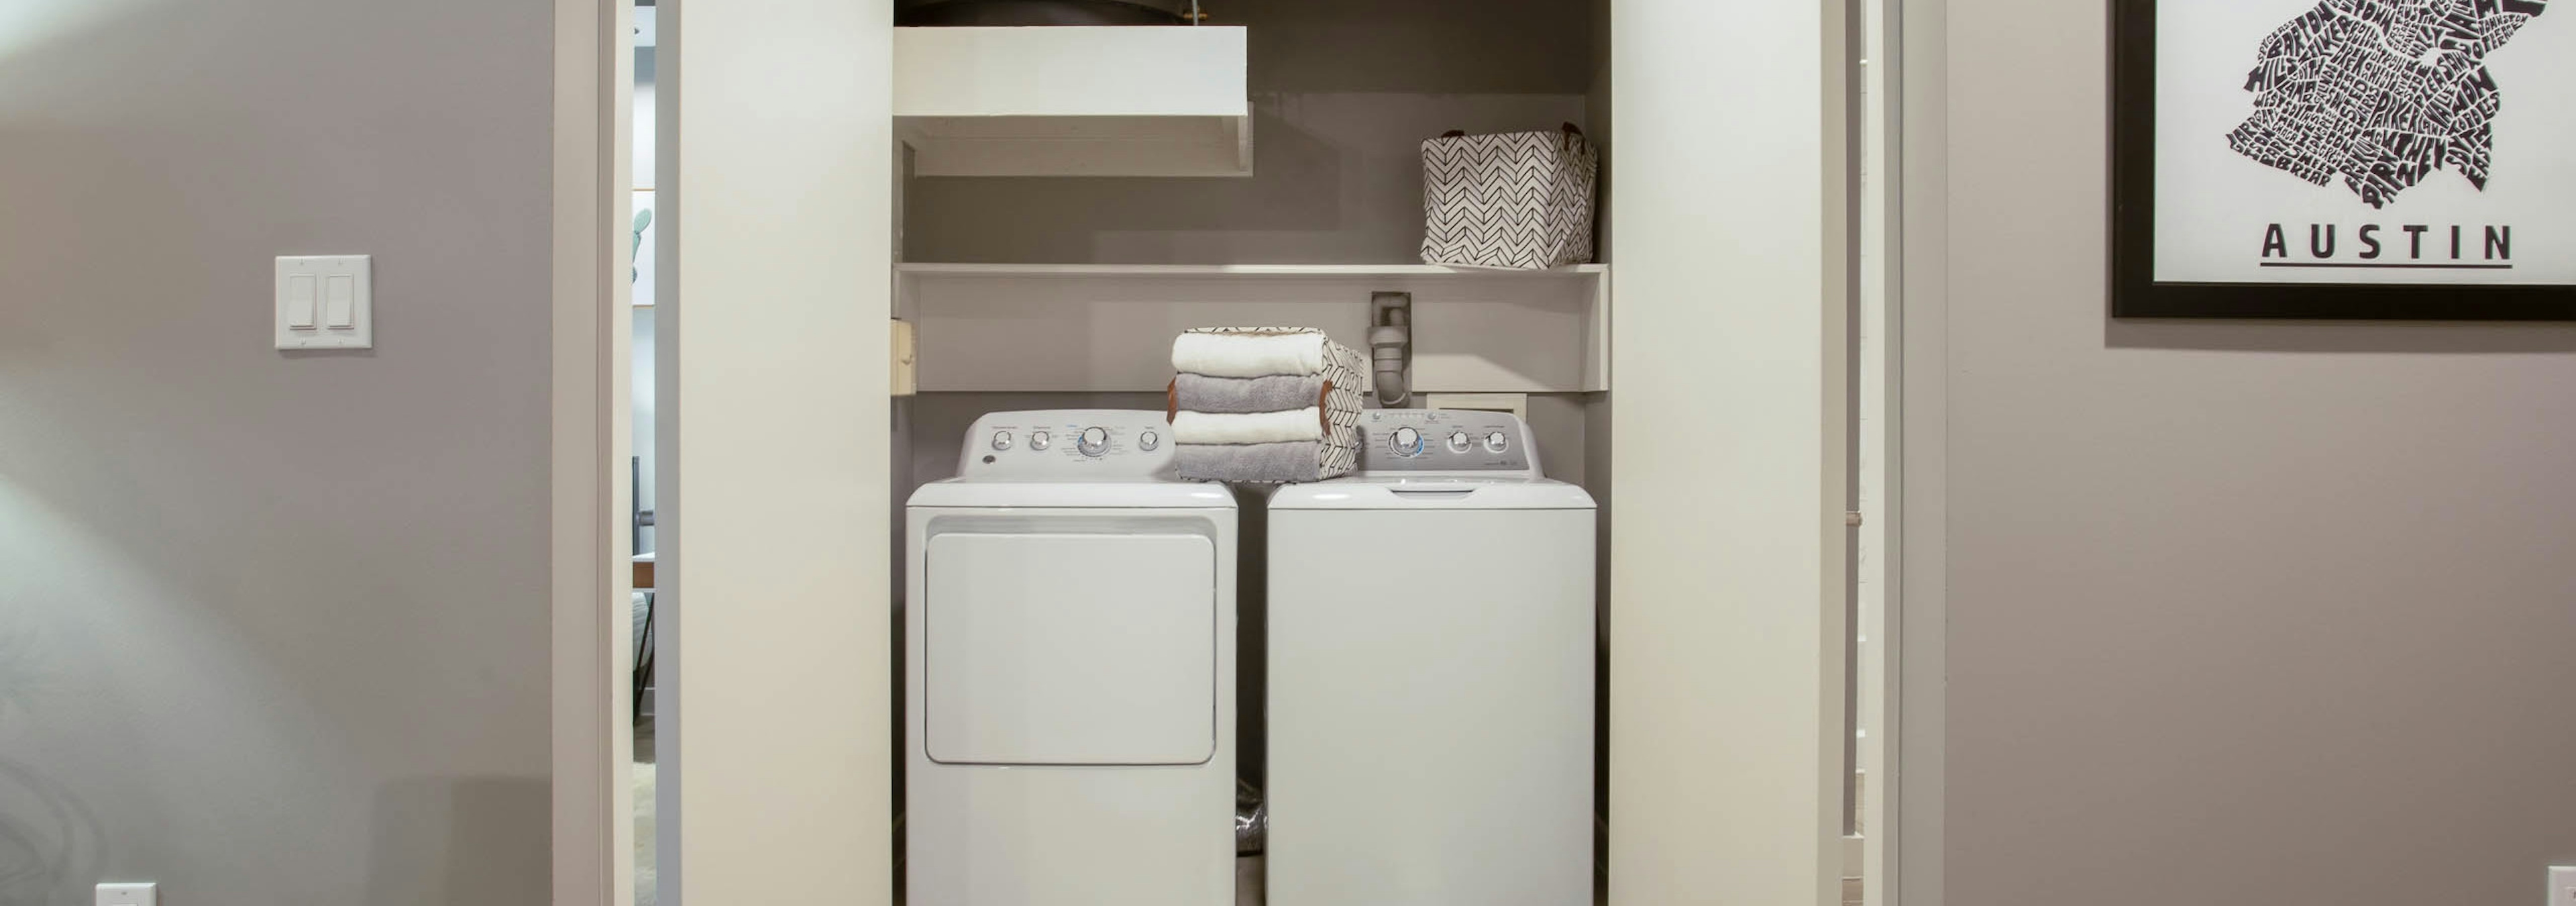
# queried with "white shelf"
point(1105, 328)
point(1057, 101)
point(1333, 271)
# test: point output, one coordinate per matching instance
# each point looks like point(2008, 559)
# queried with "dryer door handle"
point(1434, 493)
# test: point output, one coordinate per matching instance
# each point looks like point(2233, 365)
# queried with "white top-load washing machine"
point(1431, 651)
point(1069, 671)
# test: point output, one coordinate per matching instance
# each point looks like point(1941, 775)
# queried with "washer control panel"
point(1408, 441)
point(1068, 443)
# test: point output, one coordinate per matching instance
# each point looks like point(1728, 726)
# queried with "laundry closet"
point(1062, 202)
point(1048, 261)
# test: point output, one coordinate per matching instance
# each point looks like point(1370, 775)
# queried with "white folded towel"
point(1249, 355)
point(1248, 428)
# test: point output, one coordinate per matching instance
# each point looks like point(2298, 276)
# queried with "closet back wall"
point(1344, 91)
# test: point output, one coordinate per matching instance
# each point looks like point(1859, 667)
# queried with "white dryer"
point(1431, 650)
point(1069, 671)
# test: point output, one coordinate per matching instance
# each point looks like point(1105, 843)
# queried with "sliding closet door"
point(1726, 708)
point(776, 780)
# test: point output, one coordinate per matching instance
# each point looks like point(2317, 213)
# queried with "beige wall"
point(2240, 614)
point(273, 628)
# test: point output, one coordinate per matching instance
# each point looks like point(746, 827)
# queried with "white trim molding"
point(1921, 495)
point(593, 855)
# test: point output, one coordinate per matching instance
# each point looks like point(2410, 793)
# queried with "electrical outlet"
point(129, 894)
point(2562, 886)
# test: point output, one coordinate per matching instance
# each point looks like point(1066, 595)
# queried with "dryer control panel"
point(1086, 444)
point(1429, 441)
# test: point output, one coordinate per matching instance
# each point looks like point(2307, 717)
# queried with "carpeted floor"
point(645, 892)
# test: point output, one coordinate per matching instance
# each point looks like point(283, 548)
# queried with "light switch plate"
point(325, 302)
point(129, 894)
point(2562, 886)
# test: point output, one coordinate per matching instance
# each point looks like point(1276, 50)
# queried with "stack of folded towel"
point(1265, 405)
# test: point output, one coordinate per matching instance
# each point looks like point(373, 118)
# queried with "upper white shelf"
point(1074, 101)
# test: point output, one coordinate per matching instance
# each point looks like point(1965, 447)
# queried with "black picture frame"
point(2135, 293)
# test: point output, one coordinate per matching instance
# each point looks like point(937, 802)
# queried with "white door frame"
point(793, 641)
point(1918, 667)
point(593, 804)
point(1904, 850)
point(1878, 148)
point(1728, 750)
point(775, 700)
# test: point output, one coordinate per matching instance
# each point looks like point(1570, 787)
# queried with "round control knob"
point(1095, 441)
point(1001, 440)
point(1496, 442)
point(1460, 442)
point(1040, 440)
point(1148, 441)
point(1408, 442)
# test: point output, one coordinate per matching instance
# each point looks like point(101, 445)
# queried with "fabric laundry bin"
point(1513, 200)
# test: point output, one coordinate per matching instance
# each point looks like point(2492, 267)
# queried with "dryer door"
point(1070, 649)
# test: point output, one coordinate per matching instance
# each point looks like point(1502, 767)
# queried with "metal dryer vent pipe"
point(1391, 346)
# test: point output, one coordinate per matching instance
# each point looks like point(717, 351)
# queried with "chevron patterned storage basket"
point(1517, 200)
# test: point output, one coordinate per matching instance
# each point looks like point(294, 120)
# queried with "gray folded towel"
point(1279, 463)
point(1224, 395)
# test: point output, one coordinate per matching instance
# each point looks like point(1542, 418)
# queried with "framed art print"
point(2408, 159)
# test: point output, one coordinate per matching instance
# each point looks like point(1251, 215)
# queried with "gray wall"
point(1344, 93)
point(273, 628)
point(2240, 614)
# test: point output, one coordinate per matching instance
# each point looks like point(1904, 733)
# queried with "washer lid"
point(1445, 493)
